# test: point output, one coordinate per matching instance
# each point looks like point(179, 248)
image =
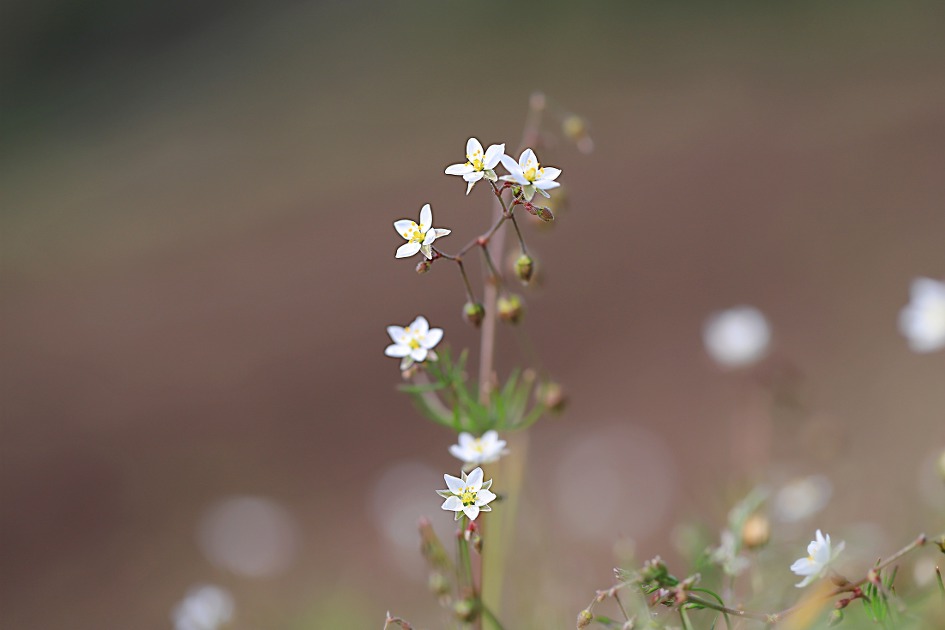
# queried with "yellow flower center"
point(414, 233)
point(477, 445)
point(414, 344)
point(468, 497)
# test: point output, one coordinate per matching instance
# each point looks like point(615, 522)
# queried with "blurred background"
point(198, 269)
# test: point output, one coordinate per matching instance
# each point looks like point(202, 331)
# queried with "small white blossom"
point(479, 450)
point(726, 555)
point(736, 337)
point(467, 495)
point(414, 342)
point(819, 555)
point(922, 321)
point(529, 174)
point(204, 608)
point(419, 237)
point(478, 164)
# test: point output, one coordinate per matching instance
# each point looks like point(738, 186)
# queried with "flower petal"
point(407, 250)
point(440, 232)
point(419, 354)
point(426, 218)
point(526, 159)
point(546, 184)
point(550, 172)
point(472, 511)
point(459, 169)
point(420, 326)
point(404, 227)
point(453, 504)
point(397, 350)
point(474, 480)
point(455, 484)
point(493, 154)
point(397, 334)
point(473, 177)
point(432, 338)
point(473, 149)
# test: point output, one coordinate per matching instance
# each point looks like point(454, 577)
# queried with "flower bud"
point(552, 396)
point(473, 312)
point(836, 616)
point(424, 266)
point(465, 610)
point(524, 268)
point(510, 308)
point(584, 619)
point(756, 531)
point(438, 584)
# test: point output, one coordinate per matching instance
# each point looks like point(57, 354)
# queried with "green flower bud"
point(438, 584)
point(552, 396)
point(524, 268)
point(465, 610)
point(473, 312)
point(584, 618)
point(510, 308)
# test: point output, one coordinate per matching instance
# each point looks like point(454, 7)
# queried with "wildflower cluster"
point(436, 379)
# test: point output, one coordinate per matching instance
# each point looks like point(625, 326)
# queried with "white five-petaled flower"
point(479, 450)
point(478, 164)
point(923, 319)
point(467, 495)
point(414, 342)
point(819, 555)
point(419, 237)
point(529, 174)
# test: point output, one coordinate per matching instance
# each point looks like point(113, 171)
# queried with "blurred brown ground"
point(197, 272)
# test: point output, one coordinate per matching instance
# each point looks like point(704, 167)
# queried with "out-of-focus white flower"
point(819, 555)
point(478, 164)
point(419, 237)
point(726, 555)
point(922, 320)
point(529, 174)
point(467, 495)
point(802, 498)
point(205, 607)
point(474, 451)
point(414, 342)
point(736, 337)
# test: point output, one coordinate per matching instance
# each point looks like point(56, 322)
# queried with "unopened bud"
point(836, 616)
point(473, 312)
point(465, 610)
point(510, 308)
point(544, 213)
point(438, 584)
point(584, 618)
point(424, 266)
point(756, 531)
point(524, 268)
point(552, 396)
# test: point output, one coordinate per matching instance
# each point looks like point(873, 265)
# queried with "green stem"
point(490, 616)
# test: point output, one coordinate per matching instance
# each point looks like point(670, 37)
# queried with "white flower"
point(923, 319)
point(479, 450)
point(528, 173)
point(736, 337)
point(204, 608)
point(419, 237)
point(727, 556)
point(414, 342)
point(467, 495)
point(819, 555)
point(478, 164)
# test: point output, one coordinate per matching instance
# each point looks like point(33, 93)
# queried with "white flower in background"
point(726, 555)
point(802, 498)
point(419, 237)
point(736, 337)
point(204, 608)
point(819, 555)
point(414, 342)
point(479, 450)
point(467, 495)
point(922, 321)
point(527, 172)
point(478, 164)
